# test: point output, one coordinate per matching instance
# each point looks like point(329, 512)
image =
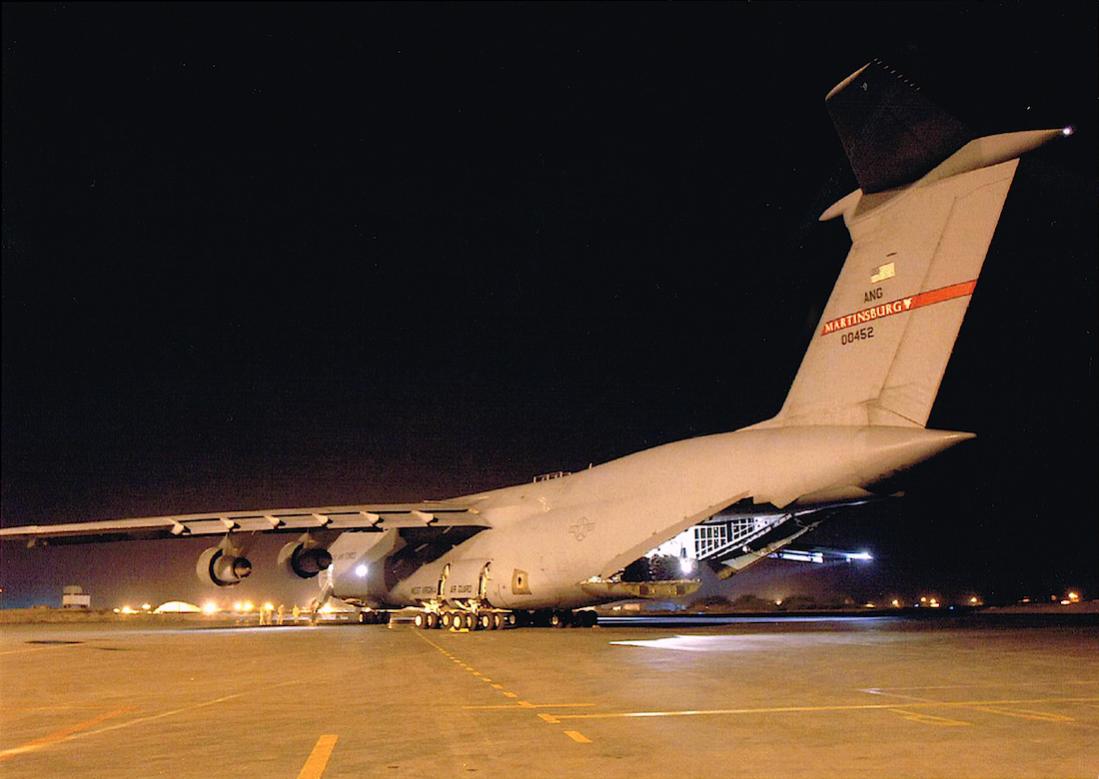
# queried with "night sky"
point(263, 256)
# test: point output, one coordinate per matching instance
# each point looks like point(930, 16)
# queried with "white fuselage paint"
point(563, 532)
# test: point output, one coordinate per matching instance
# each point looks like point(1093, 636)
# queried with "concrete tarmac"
point(833, 697)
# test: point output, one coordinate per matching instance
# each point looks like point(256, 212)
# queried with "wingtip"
point(840, 86)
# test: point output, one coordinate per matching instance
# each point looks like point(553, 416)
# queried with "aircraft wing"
point(370, 517)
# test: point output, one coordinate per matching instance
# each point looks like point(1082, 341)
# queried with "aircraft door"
point(467, 579)
point(441, 592)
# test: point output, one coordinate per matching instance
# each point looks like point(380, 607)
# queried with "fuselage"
point(548, 538)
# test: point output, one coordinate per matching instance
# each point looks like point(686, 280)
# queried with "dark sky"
point(263, 255)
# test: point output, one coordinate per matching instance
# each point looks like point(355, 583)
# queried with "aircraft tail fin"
point(878, 355)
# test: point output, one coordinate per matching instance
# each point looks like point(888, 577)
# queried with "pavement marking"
point(807, 709)
point(1039, 716)
point(153, 717)
point(40, 648)
point(61, 735)
point(549, 718)
point(575, 735)
point(882, 690)
point(527, 705)
point(929, 719)
point(318, 758)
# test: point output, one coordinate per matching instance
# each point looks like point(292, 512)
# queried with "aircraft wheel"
point(497, 621)
point(510, 620)
point(420, 620)
point(484, 621)
point(432, 620)
point(447, 619)
point(559, 619)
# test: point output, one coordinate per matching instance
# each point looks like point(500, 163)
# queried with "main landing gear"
point(558, 618)
point(469, 619)
point(373, 617)
point(459, 619)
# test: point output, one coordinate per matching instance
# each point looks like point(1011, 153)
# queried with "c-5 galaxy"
point(929, 199)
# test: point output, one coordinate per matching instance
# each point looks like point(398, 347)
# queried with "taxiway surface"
point(969, 697)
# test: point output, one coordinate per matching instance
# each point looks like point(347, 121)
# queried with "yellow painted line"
point(1039, 716)
point(577, 736)
point(57, 707)
point(153, 717)
point(486, 679)
point(477, 673)
point(498, 686)
point(805, 709)
point(61, 735)
point(510, 694)
point(318, 758)
point(549, 718)
point(967, 686)
point(528, 705)
point(929, 719)
point(40, 648)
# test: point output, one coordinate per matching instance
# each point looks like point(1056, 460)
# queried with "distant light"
point(778, 602)
point(923, 599)
point(933, 603)
point(268, 606)
point(128, 610)
point(1065, 602)
point(1073, 596)
point(686, 565)
point(360, 570)
point(146, 606)
point(1067, 131)
point(209, 607)
point(238, 606)
point(973, 601)
point(327, 608)
point(859, 556)
point(895, 603)
point(870, 605)
point(118, 611)
point(247, 606)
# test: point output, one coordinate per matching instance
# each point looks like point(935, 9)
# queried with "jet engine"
point(303, 561)
point(223, 569)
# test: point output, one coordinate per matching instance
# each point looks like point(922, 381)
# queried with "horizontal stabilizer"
point(892, 134)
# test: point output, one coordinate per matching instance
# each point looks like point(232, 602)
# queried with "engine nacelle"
point(303, 561)
point(222, 569)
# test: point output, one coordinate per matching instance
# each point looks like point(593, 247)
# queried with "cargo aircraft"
point(929, 199)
